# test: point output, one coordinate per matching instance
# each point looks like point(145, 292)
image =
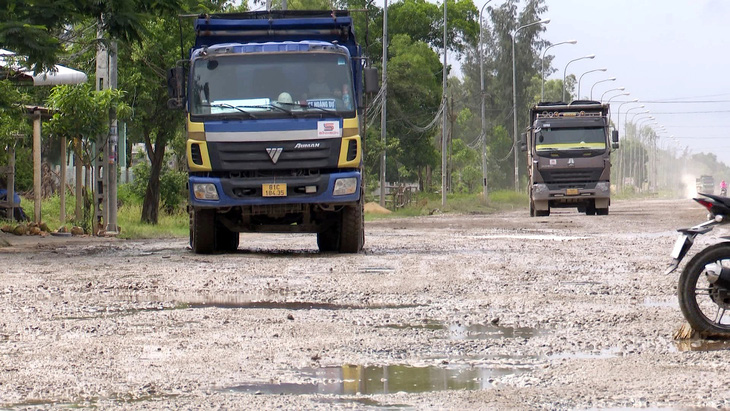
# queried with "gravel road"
point(446, 311)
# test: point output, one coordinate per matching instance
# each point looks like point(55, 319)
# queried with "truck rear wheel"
point(352, 229)
point(225, 239)
point(602, 211)
point(329, 240)
point(202, 231)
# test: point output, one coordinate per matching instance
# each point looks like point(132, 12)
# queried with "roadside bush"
point(173, 193)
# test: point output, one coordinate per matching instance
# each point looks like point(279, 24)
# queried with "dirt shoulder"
point(495, 311)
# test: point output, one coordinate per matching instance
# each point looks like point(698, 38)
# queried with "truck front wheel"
point(202, 231)
point(352, 229)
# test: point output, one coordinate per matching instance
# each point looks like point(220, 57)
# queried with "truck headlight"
point(540, 188)
point(345, 186)
point(603, 186)
point(205, 191)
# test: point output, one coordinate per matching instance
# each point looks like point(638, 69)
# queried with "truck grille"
point(572, 178)
point(255, 156)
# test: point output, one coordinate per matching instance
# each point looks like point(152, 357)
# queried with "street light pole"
point(483, 134)
point(617, 95)
point(514, 99)
point(444, 132)
point(581, 78)
point(621, 157)
point(608, 91)
point(590, 56)
point(602, 81)
point(542, 70)
point(383, 112)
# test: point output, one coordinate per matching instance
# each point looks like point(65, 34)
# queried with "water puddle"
point(662, 302)
point(369, 380)
point(702, 345)
point(587, 355)
point(472, 331)
point(541, 237)
point(253, 301)
point(135, 303)
point(291, 305)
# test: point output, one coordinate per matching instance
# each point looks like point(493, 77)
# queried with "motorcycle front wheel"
point(703, 303)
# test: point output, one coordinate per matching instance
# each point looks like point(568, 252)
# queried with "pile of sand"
point(375, 208)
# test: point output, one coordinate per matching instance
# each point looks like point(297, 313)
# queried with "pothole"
point(369, 380)
point(473, 331)
point(702, 345)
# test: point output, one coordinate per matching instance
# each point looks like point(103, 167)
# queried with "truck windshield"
point(574, 138)
point(259, 85)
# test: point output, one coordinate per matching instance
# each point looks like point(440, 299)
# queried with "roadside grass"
point(427, 204)
point(176, 224)
point(128, 218)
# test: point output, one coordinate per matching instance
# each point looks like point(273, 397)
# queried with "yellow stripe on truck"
point(203, 146)
point(354, 163)
point(350, 127)
point(196, 131)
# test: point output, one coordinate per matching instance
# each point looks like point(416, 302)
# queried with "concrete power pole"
point(105, 170)
point(111, 150)
point(383, 110)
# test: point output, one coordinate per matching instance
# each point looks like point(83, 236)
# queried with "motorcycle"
point(704, 284)
point(723, 191)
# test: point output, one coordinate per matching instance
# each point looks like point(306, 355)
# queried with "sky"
point(671, 55)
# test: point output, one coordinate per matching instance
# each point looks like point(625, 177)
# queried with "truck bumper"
point(543, 197)
point(240, 192)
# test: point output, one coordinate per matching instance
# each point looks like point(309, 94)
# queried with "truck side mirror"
point(175, 88)
point(614, 139)
point(523, 141)
point(371, 80)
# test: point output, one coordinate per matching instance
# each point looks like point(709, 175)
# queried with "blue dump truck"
point(274, 127)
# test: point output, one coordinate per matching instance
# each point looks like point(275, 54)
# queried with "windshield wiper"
point(275, 106)
point(307, 106)
point(226, 105)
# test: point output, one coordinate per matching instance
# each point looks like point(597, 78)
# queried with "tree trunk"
point(151, 204)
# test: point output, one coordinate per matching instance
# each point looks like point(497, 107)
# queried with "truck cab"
point(568, 156)
point(274, 135)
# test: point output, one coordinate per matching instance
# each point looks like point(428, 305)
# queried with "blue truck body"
point(273, 131)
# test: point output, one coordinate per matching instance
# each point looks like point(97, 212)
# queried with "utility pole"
point(111, 150)
point(385, 103)
point(99, 175)
point(105, 170)
point(443, 124)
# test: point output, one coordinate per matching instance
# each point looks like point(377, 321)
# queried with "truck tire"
point(542, 213)
point(591, 209)
point(202, 231)
point(602, 211)
point(329, 239)
point(225, 239)
point(352, 228)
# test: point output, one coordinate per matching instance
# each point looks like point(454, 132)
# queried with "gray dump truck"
point(568, 157)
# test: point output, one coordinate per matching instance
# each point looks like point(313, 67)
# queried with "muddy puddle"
point(702, 345)
point(368, 380)
point(473, 331)
point(130, 304)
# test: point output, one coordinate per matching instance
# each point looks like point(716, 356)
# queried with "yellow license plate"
point(571, 191)
point(273, 190)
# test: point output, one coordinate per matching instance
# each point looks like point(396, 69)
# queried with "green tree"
point(414, 96)
point(35, 29)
